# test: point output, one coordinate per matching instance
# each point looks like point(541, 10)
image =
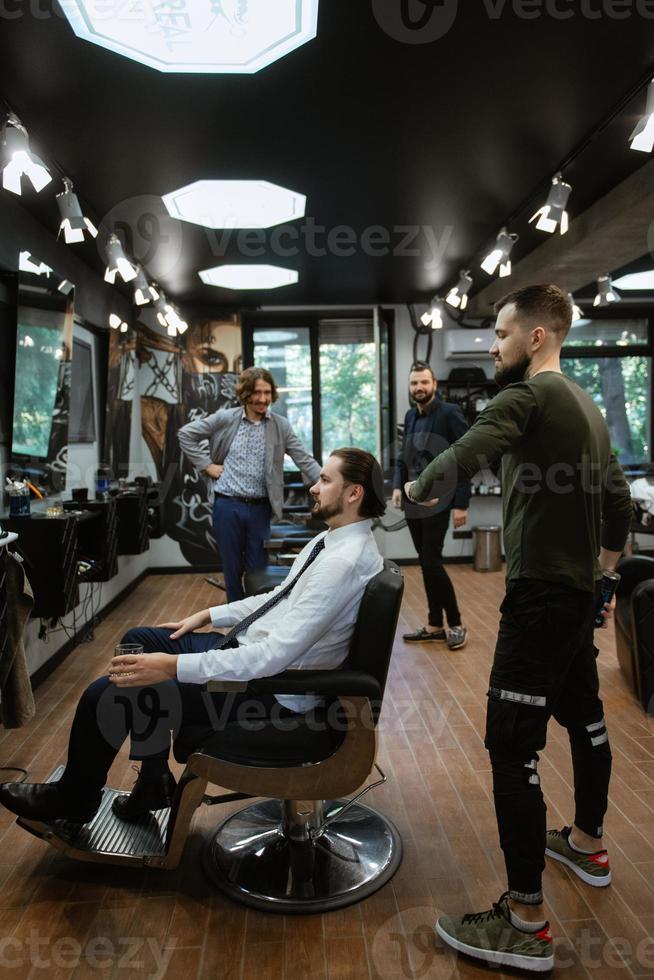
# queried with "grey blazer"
point(220, 429)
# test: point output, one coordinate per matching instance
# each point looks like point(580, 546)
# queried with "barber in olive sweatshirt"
point(567, 512)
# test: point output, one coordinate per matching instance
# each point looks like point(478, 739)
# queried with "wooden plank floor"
point(66, 919)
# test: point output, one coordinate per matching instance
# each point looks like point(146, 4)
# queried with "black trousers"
point(428, 534)
point(151, 717)
point(545, 665)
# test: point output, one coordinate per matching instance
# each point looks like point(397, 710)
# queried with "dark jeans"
point(240, 531)
point(545, 665)
point(107, 715)
point(428, 534)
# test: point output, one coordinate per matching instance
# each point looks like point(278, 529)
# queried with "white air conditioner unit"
point(468, 344)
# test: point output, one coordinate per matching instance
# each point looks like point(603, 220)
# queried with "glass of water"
point(128, 650)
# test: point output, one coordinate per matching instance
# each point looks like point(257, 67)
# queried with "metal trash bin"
point(488, 548)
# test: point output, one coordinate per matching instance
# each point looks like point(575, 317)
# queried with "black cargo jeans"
point(545, 665)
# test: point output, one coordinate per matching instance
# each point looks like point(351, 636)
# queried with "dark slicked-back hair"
point(541, 306)
point(358, 466)
point(248, 379)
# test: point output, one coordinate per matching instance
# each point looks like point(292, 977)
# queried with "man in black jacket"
point(430, 428)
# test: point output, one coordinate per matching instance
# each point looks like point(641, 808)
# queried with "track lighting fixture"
point(28, 264)
point(144, 292)
point(18, 160)
point(73, 223)
point(116, 323)
point(117, 262)
point(500, 254)
point(168, 316)
point(553, 214)
point(458, 296)
point(605, 292)
point(434, 315)
point(642, 137)
point(577, 313)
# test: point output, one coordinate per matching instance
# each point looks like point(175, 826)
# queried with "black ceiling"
point(452, 135)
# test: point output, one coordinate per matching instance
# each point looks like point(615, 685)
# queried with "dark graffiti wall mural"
point(182, 379)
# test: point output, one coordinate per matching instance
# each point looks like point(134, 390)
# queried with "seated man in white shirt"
point(306, 622)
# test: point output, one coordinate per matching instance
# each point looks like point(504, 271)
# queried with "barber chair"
point(634, 627)
point(304, 848)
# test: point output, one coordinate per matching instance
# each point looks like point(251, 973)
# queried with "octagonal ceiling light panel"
point(249, 276)
point(210, 36)
point(235, 204)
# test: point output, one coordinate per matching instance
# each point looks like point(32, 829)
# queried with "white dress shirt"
point(310, 628)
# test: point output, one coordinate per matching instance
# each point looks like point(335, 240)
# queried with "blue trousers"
point(149, 716)
point(240, 531)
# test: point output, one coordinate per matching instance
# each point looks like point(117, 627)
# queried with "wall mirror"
point(44, 350)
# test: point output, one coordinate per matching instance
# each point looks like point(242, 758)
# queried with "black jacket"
point(445, 424)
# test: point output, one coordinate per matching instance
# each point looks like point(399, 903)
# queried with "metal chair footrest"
point(105, 837)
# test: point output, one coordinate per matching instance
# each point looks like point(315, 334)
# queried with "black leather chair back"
point(634, 627)
point(372, 642)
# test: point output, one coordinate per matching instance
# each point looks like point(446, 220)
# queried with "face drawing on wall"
point(203, 348)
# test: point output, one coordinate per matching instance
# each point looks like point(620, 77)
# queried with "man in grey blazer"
point(241, 453)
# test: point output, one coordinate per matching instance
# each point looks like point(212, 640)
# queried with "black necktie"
point(271, 603)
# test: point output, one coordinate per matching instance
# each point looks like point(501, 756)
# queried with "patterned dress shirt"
point(244, 474)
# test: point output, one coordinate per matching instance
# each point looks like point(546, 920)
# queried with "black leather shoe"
point(147, 795)
point(45, 802)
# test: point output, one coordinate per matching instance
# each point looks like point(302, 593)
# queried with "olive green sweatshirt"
point(564, 493)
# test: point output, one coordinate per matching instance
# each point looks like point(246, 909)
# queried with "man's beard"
point(514, 372)
point(328, 511)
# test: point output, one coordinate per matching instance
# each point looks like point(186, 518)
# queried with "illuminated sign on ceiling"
point(249, 276)
point(235, 204)
point(230, 36)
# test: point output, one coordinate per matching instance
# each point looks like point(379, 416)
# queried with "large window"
point(348, 385)
point(611, 359)
point(334, 377)
point(286, 353)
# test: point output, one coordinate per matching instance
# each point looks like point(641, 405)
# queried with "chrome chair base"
point(251, 859)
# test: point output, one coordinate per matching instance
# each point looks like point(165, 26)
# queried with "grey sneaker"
point(592, 868)
point(456, 637)
point(424, 635)
point(492, 937)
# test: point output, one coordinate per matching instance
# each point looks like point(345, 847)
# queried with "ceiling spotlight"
point(458, 296)
point(117, 262)
point(577, 313)
point(175, 321)
point(18, 160)
point(433, 317)
point(642, 137)
point(27, 264)
point(436, 311)
point(168, 316)
point(554, 212)
point(143, 291)
point(73, 223)
point(65, 287)
point(605, 292)
point(500, 254)
point(116, 323)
